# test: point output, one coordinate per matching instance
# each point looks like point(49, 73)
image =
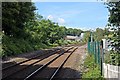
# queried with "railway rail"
point(38, 70)
point(7, 67)
point(7, 70)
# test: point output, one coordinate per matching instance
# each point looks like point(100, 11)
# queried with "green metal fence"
point(94, 48)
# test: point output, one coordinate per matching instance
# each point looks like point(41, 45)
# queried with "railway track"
point(28, 72)
point(37, 56)
point(15, 68)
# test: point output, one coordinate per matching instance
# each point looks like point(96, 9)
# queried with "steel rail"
point(57, 70)
point(27, 66)
point(24, 61)
point(42, 67)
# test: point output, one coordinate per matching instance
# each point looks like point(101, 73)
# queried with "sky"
point(80, 15)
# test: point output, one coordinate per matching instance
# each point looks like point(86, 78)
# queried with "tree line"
point(25, 30)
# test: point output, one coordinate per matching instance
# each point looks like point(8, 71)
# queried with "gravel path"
point(72, 68)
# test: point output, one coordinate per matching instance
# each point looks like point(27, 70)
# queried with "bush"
point(0, 44)
point(13, 46)
point(112, 58)
point(93, 70)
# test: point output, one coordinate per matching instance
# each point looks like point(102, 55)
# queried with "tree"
point(86, 36)
point(99, 34)
point(14, 17)
point(73, 32)
point(114, 23)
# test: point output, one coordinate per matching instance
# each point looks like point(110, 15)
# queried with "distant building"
point(82, 34)
point(73, 38)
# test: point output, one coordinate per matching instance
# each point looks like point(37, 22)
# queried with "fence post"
point(92, 52)
point(88, 47)
point(102, 60)
point(98, 45)
point(93, 48)
point(95, 52)
point(101, 67)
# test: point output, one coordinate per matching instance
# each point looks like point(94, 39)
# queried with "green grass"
point(14, 46)
point(91, 69)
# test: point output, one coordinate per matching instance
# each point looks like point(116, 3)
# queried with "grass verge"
point(91, 69)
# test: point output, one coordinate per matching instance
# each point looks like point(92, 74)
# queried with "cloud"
point(61, 21)
point(56, 19)
point(50, 17)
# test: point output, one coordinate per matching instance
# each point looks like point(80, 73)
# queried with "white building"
point(74, 38)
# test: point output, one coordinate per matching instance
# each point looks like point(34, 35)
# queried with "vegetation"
point(91, 69)
point(86, 36)
point(112, 58)
point(98, 34)
point(74, 32)
point(114, 23)
point(114, 26)
point(24, 30)
point(14, 17)
point(0, 43)
point(111, 32)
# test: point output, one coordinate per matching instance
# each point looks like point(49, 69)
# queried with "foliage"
point(99, 34)
point(112, 58)
point(73, 32)
point(91, 70)
point(86, 36)
point(13, 46)
point(25, 30)
point(1, 43)
point(114, 24)
point(14, 17)
point(66, 42)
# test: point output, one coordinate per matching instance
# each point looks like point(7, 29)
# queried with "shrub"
point(112, 57)
point(93, 70)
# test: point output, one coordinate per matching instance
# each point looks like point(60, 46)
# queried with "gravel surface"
point(22, 57)
point(70, 70)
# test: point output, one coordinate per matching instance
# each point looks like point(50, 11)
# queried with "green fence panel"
point(95, 52)
point(98, 45)
point(88, 47)
point(93, 48)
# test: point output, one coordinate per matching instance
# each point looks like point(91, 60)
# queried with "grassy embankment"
point(14, 46)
